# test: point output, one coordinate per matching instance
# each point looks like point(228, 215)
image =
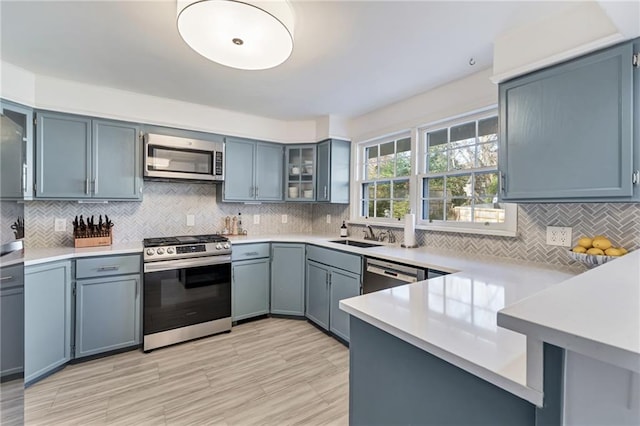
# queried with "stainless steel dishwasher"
point(382, 274)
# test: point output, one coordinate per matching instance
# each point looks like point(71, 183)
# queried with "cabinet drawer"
point(107, 265)
point(337, 259)
point(249, 251)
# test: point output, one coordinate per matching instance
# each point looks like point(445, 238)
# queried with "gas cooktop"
point(185, 239)
point(186, 246)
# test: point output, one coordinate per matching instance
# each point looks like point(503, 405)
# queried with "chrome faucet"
point(368, 233)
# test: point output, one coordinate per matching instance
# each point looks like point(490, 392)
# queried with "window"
point(459, 178)
point(385, 175)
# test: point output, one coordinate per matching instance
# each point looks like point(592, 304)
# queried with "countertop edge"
point(520, 390)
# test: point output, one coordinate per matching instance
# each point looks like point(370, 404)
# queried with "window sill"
point(380, 223)
point(477, 231)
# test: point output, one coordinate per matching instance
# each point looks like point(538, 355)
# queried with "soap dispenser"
point(343, 230)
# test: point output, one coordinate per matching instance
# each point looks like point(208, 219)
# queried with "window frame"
point(506, 228)
point(359, 155)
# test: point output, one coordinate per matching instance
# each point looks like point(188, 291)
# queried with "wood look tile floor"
point(269, 372)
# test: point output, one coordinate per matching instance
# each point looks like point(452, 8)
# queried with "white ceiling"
point(349, 58)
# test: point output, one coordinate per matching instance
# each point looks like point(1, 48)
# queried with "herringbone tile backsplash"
point(619, 222)
point(165, 206)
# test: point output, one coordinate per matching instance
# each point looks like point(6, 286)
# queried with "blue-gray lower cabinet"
point(47, 318)
point(287, 279)
point(342, 285)
point(107, 314)
point(317, 284)
point(394, 382)
point(11, 321)
point(250, 288)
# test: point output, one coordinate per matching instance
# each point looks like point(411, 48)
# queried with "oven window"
point(183, 297)
point(179, 160)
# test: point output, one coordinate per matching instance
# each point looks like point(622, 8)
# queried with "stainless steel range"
point(187, 288)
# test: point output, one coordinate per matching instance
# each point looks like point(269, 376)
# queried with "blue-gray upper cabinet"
point(300, 184)
point(80, 158)
point(47, 318)
point(287, 279)
point(567, 132)
point(253, 170)
point(108, 304)
point(16, 152)
point(332, 176)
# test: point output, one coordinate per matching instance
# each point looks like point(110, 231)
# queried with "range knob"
point(227, 246)
point(218, 246)
point(160, 250)
point(170, 250)
point(150, 251)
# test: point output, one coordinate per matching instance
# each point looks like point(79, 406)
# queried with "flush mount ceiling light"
point(249, 35)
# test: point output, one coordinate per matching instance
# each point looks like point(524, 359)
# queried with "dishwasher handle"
point(391, 273)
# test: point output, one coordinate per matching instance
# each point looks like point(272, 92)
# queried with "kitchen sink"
point(361, 244)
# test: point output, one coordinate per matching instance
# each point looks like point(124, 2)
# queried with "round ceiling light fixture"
point(248, 35)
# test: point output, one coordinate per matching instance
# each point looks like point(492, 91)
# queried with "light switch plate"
point(191, 220)
point(328, 218)
point(284, 218)
point(256, 219)
point(60, 225)
point(559, 236)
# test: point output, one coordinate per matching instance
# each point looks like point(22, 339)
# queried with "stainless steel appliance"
point(383, 274)
point(187, 288)
point(170, 157)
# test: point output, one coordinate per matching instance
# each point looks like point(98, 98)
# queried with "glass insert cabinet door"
point(300, 173)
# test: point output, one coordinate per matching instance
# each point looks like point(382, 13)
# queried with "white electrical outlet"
point(191, 220)
point(256, 219)
point(284, 218)
point(328, 218)
point(60, 225)
point(559, 236)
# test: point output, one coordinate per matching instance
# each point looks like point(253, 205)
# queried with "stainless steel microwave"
point(175, 158)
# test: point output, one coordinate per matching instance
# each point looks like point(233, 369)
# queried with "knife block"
point(94, 241)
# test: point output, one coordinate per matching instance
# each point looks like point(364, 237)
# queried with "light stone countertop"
point(453, 317)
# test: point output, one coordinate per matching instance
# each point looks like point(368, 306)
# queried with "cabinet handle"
point(503, 182)
point(325, 191)
point(257, 191)
point(137, 285)
point(24, 178)
point(6, 278)
point(251, 253)
point(635, 177)
point(95, 186)
point(86, 186)
point(108, 268)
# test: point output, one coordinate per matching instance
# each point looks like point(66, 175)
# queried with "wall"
point(163, 213)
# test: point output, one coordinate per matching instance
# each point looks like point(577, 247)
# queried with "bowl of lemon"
point(595, 251)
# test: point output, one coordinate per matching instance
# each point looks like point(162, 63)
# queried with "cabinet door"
point(566, 131)
point(250, 288)
point(239, 164)
point(287, 279)
point(11, 320)
point(343, 285)
point(317, 294)
point(16, 152)
point(63, 156)
point(339, 172)
point(323, 175)
point(107, 314)
point(269, 172)
point(116, 154)
point(47, 318)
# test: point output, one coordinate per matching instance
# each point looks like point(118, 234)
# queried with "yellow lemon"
point(595, 251)
point(579, 249)
point(585, 242)
point(613, 252)
point(623, 250)
point(601, 243)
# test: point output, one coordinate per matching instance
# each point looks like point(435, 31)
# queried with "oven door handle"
point(169, 265)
